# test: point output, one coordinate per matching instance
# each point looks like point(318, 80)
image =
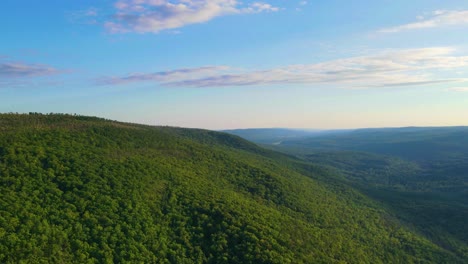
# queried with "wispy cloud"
point(391, 68)
point(439, 18)
point(459, 89)
point(300, 5)
point(164, 76)
point(20, 69)
point(21, 75)
point(144, 16)
point(29, 83)
point(87, 16)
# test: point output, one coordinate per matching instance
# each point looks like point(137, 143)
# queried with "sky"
point(225, 64)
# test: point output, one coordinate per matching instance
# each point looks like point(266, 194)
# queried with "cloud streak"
point(386, 69)
point(164, 76)
point(20, 69)
point(153, 16)
point(88, 16)
point(23, 75)
point(439, 18)
point(459, 89)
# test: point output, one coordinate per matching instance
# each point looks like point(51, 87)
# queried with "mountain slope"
point(418, 173)
point(86, 190)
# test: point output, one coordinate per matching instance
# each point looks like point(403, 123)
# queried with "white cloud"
point(391, 68)
point(439, 18)
point(258, 7)
point(144, 16)
point(301, 4)
point(459, 89)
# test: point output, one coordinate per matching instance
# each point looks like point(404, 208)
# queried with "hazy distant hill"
point(79, 189)
point(278, 135)
point(412, 143)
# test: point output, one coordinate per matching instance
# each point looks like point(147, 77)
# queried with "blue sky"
point(223, 64)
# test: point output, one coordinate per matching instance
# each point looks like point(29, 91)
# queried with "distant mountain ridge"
point(277, 135)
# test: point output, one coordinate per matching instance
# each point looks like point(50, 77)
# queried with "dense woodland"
point(418, 174)
point(77, 189)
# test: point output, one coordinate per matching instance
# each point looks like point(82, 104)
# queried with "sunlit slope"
point(87, 190)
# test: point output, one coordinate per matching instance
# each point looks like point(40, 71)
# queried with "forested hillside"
point(418, 173)
point(77, 189)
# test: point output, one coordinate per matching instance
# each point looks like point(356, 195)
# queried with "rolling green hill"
point(420, 174)
point(77, 189)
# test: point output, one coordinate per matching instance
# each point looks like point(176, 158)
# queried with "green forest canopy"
point(78, 189)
